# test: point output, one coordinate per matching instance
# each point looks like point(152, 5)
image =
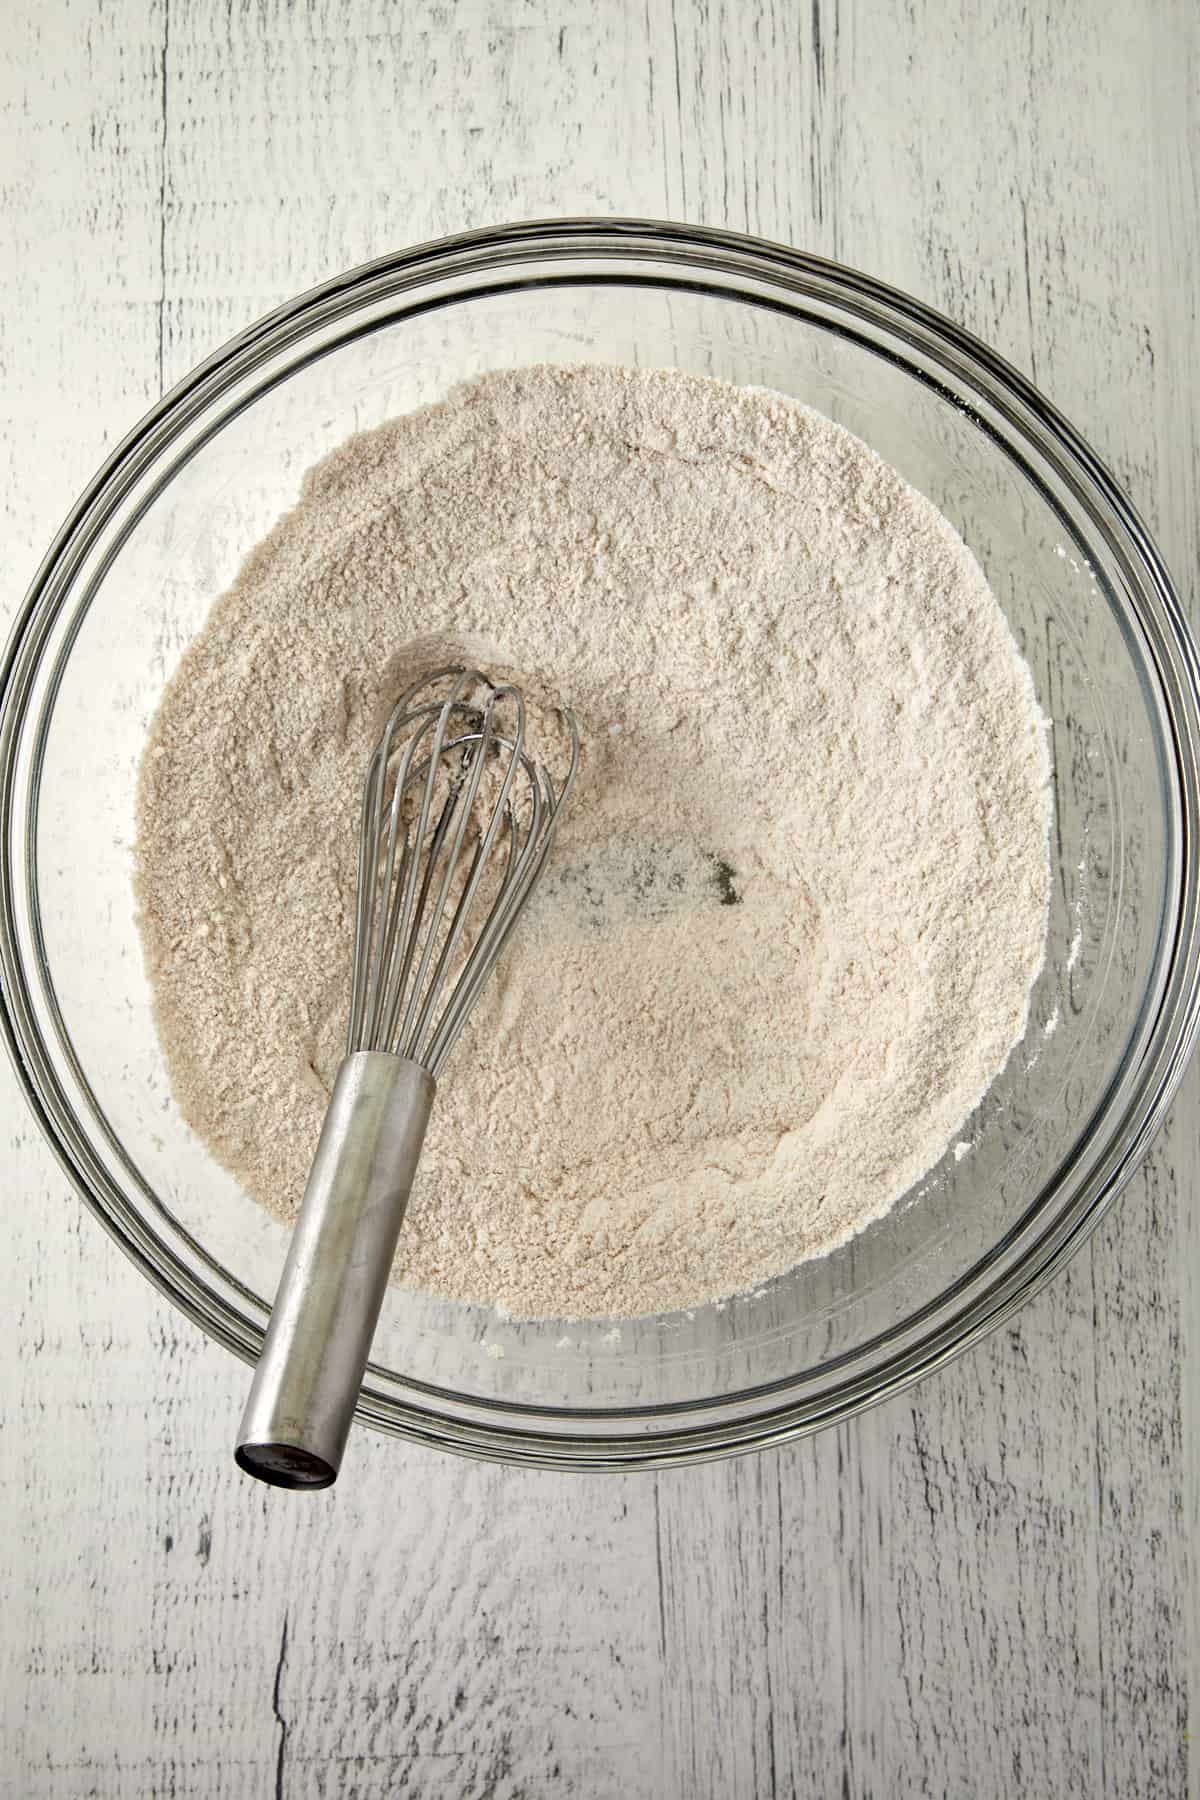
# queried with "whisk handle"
point(302, 1398)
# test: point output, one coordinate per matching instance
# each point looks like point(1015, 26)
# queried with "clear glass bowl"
point(160, 532)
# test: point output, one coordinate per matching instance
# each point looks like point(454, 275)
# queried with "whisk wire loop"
point(465, 795)
point(445, 862)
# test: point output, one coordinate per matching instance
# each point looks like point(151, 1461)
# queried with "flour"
point(795, 908)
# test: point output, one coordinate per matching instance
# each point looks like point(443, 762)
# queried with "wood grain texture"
point(982, 1588)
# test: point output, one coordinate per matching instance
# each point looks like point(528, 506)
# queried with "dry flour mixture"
point(796, 906)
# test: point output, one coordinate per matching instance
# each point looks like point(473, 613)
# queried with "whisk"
point(457, 823)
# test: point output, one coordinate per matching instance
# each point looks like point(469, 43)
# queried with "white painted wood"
point(982, 1589)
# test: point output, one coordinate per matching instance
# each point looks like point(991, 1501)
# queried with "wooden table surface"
point(984, 1587)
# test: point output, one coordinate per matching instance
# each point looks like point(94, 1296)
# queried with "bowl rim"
point(539, 1435)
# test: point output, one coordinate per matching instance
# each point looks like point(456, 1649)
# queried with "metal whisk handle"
point(302, 1399)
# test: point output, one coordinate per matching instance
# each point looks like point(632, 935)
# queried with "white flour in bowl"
point(796, 906)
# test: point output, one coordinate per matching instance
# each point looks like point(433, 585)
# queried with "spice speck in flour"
point(797, 902)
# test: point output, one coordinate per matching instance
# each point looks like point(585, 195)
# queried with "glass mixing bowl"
point(160, 532)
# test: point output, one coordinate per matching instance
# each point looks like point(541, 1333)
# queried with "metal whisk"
point(457, 823)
